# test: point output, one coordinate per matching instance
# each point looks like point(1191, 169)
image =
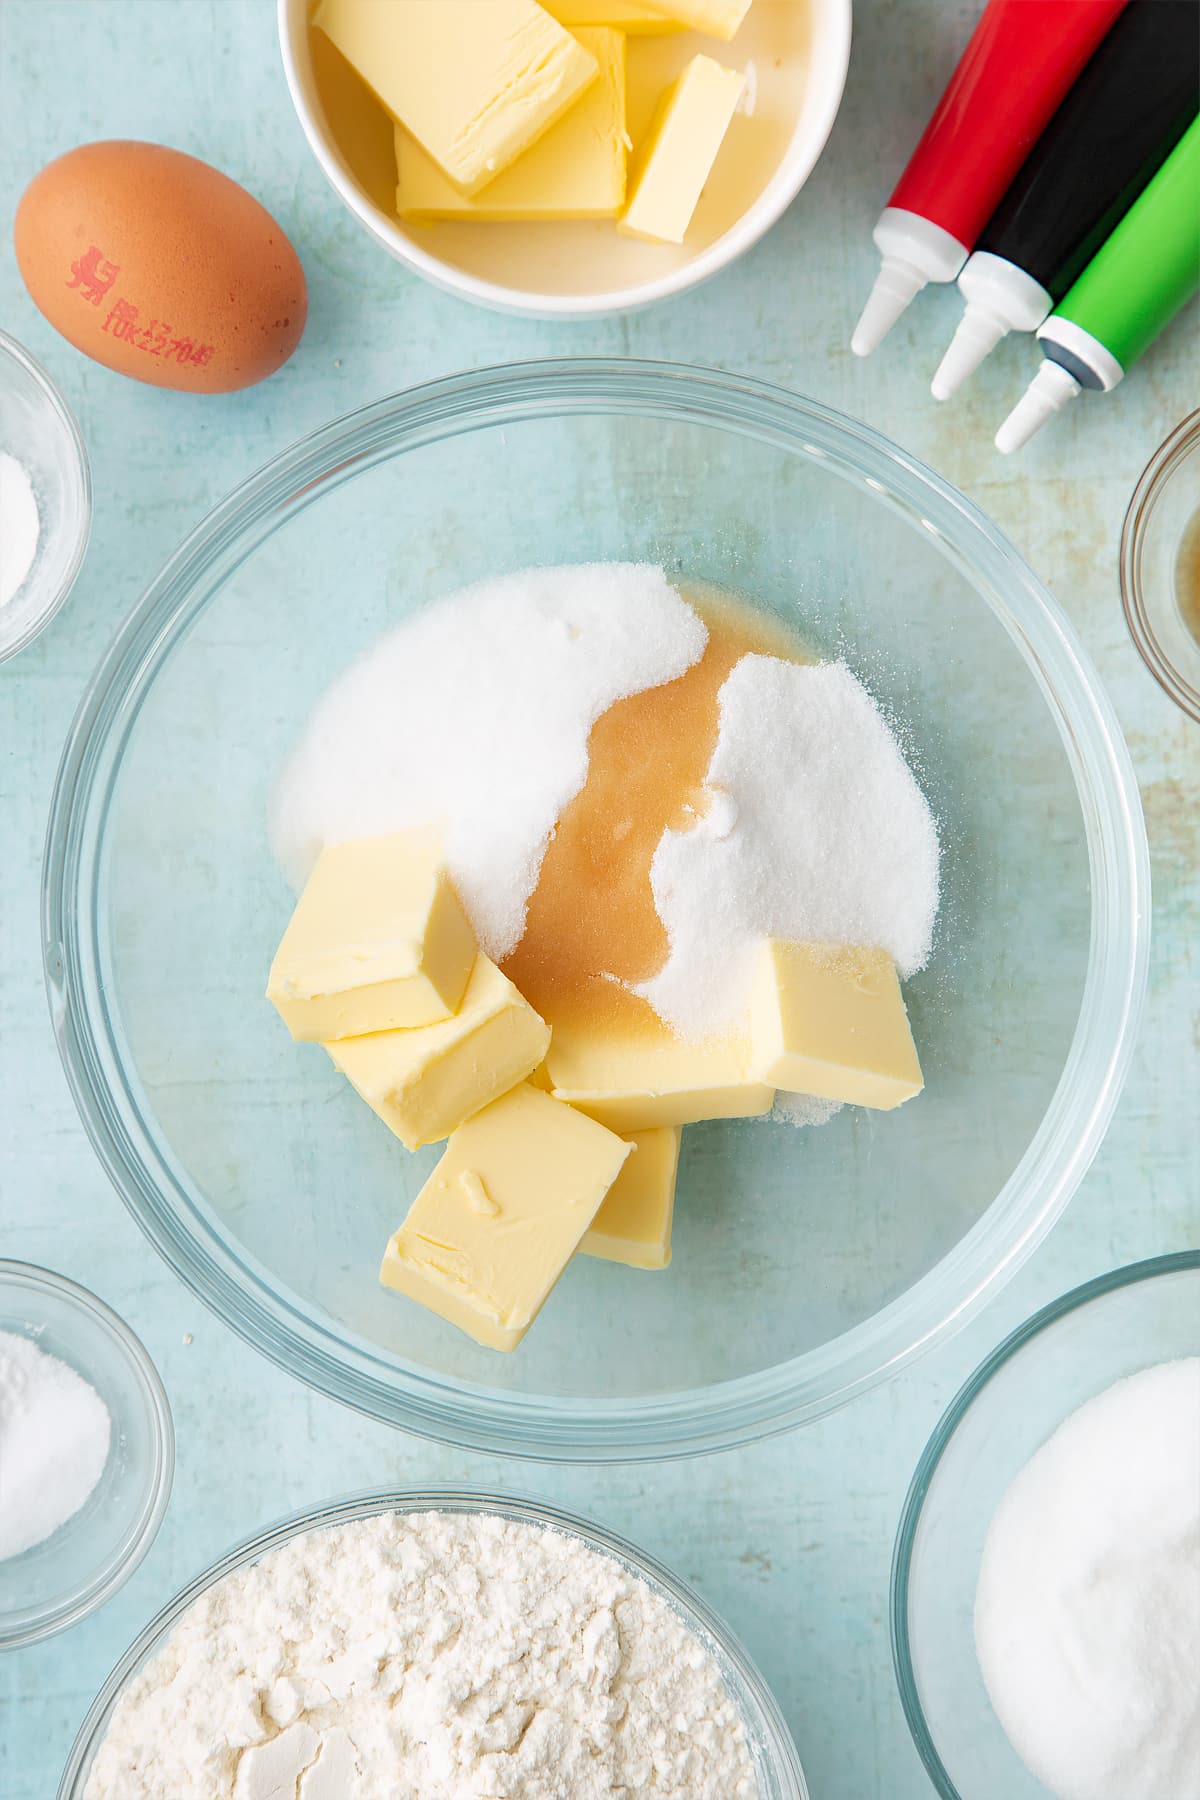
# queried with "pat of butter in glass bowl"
point(799, 51)
point(807, 1264)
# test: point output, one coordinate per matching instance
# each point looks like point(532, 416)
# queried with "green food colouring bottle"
point(1132, 288)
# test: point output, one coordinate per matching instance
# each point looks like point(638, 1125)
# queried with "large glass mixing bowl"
point(808, 1264)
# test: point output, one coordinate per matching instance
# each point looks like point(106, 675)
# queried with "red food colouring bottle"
point(1023, 58)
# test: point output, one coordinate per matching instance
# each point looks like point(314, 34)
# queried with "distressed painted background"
point(790, 1540)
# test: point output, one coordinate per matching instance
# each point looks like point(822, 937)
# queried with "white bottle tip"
point(1046, 394)
point(979, 331)
point(896, 285)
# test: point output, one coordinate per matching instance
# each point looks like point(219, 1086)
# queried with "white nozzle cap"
point(1046, 394)
point(914, 251)
point(979, 331)
point(896, 286)
point(1000, 298)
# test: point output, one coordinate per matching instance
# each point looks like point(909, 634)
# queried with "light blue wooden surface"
point(790, 1540)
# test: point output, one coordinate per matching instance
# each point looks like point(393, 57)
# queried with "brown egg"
point(160, 267)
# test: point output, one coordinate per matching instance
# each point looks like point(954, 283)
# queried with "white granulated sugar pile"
point(54, 1438)
point(436, 1655)
point(475, 715)
point(822, 835)
point(1087, 1611)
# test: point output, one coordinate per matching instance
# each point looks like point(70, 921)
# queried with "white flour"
point(1087, 1612)
point(19, 526)
point(436, 1656)
point(54, 1438)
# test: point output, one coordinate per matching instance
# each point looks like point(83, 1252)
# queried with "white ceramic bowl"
point(553, 271)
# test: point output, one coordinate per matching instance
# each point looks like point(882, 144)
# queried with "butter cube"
point(637, 18)
point(502, 1214)
point(576, 170)
point(635, 1080)
point(425, 1082)
point(633, 1225)
point(379, 939)
point(475, 81)
point(831, 1021)
point(673, 166)
point(716, 18)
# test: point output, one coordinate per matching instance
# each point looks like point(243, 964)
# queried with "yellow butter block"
point(831, 1022)
point(425, 1082)
point(637, 18)
point(379, 939)
point(672, 167)
point(633, 1225)
point(716, 18)
point(475, 81)
point(631, 1081)
point(502, 1214)
point(576, 170)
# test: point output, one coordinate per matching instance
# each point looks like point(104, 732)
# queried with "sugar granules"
point(1087, 1611)
point(54, 1439)
point(474, 714)
point(20, 526)
point(823, 836)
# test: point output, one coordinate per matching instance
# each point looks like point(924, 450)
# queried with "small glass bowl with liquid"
point(1160, 565)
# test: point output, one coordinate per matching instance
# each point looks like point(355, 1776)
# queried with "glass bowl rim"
point(747, 1407)
point(30, 1626)
point(1087, 1293)
point(10, 347)
point(371, 1502)
point(1171, 454)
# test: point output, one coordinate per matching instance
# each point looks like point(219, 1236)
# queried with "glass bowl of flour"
point(1046, 1579)
point(86, 1453)
point(45, 498)
point(808, 1262)
point(439, 1643)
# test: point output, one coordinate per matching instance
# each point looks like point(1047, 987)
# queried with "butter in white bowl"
point(575, 170)
point(551, 248)
point(475, 81)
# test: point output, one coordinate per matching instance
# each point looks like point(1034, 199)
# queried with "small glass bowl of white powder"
point(1047, 1567)
point(45, 498)
point(441, 1644)
point(88, 1448)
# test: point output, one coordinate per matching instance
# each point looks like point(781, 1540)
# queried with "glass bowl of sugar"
point(86, 1453)
point(808, 1263)
point(1047, 1566)
point(45, 498)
